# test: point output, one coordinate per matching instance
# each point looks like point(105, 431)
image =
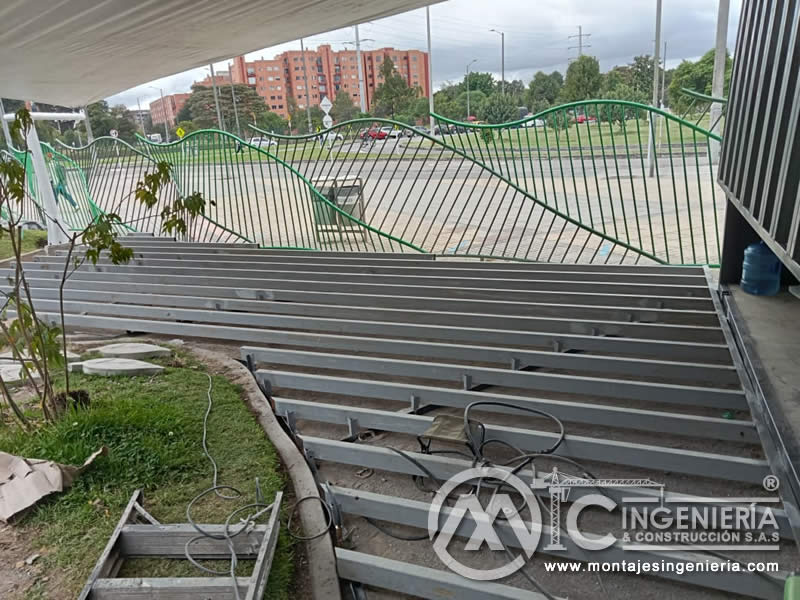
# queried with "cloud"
point(536, 37)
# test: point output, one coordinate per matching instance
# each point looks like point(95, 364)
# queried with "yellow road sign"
point(180, 131)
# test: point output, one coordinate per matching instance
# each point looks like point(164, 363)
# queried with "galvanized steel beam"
point(238, 267)
point(415, 514)
point(713, 428)
point(421, 582)
point(254, 278)
point(269, 289)
point(444, 467)
point(659, 349)
point(691, 333)
point(690, 462)
point(471, 376)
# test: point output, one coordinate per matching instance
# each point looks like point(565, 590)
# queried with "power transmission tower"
point(580, 37)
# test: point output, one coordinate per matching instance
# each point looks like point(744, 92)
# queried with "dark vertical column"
point(738, 235)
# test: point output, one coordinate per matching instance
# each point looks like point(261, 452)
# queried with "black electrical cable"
point(328, 519)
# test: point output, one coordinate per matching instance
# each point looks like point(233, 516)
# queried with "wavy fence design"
point(253, 195)
point(105, 174)
point(591, 161)
point(572, 184)
point(29, 211)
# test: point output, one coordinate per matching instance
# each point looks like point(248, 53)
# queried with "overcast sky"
point(536, 37)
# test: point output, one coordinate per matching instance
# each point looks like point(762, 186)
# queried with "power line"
point(580, 37)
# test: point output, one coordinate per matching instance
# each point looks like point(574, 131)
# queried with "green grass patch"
point(152, 427)
point(30, 240)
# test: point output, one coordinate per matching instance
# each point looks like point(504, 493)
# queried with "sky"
point(536, 37)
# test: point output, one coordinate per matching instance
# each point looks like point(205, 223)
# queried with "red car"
point(374, 133)
point(584, 119)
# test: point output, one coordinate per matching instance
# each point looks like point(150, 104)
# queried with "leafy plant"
point(37, 345)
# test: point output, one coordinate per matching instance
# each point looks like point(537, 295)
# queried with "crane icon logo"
point(509, 521)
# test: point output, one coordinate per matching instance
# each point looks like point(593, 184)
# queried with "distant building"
point(167, 109)
point(220, 77)
point(140, 117)
point(328, 73)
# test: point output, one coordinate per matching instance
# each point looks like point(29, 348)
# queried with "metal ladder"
point(139, 535)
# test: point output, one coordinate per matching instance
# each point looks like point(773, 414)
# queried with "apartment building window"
point(413, 59)
point(280, 105)
point(274, 106)
point(378, 59)
point(277, 87)
point(272, 97)
point(261, 78)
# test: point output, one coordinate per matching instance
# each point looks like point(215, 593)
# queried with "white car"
point(260, 142)
point(535, 123)
point(331, 137)
point(392, 132)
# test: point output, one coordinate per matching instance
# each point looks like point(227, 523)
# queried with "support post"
point(718, 78)
point(430, 68)
point(56, 231)
point(88, 123)
point(220, 123)
point(651, 146)
point(305, 84)
point(6, 133)
point(361, 92)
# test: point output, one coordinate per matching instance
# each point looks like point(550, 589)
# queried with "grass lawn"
point(152, 428)
point(29, 239)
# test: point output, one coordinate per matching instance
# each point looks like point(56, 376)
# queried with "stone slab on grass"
point(119, 366)
point(12, 374)
point(133, 350)
point(8, 356)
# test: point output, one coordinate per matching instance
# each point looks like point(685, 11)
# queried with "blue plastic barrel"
point(761, 271)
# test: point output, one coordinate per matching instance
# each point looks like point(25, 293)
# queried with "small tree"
point(500, 108)
point(343, 108)
point(33, 341)
point(583, 80)
point(393, 96)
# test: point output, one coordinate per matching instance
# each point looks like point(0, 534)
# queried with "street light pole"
point(305, 83)
point(163, 107)
point(468, 66)
point(6, 133)
point(361, 92)
point(502, 60)
point(141, 118)
point(430, 69)
point(718, 76)
point(651, 147)
point(220, 122)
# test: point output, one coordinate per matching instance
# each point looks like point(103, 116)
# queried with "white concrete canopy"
point(73, 52)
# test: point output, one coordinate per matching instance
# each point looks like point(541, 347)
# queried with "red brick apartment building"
point(168, 108)
point(328, 72)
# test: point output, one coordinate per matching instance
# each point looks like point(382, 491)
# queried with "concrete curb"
point(320, 552)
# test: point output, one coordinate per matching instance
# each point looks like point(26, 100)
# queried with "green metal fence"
point(595, 181)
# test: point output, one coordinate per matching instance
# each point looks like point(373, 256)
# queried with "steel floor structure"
point(362, 352)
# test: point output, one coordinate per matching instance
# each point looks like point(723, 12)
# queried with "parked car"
point(392, 132)
point(260, 142)
point(535, 123)
point(585, 119)
point(374, 133)
point(155, 138)
point(331, 137)
point(420, 129)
